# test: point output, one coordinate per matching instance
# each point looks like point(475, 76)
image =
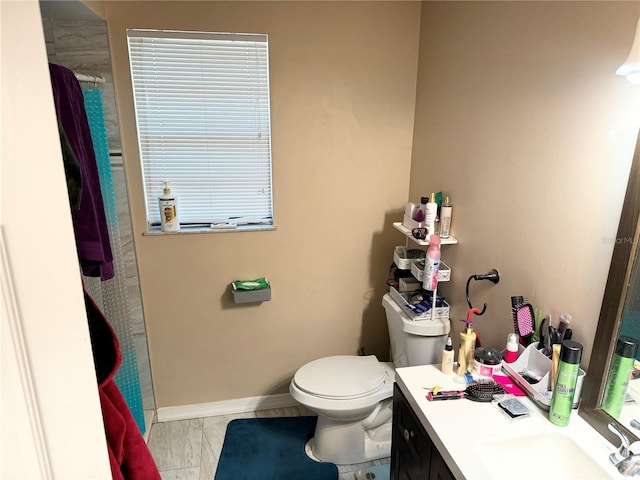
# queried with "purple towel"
point(89, 221)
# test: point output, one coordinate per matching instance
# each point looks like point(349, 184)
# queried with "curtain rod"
point(88, 78)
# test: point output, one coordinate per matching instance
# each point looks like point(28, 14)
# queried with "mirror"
point(619, 315)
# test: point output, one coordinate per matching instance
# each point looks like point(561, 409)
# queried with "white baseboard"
point(225, 407)
point(149, 418)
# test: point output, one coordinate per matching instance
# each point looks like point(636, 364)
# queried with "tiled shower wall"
point(82, 46)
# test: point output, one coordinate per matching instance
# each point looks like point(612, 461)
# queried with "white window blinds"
point(202, 112)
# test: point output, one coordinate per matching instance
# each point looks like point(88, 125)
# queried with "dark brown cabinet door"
point(413, 455)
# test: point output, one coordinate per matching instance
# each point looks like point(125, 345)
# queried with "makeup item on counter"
point(467, 344)
point(530, 376)
point(555, 359)
point(565, 386)
point(446, 210)
point(565, 320)
point(479, 391)
point(513, 408)
point(509, 385)
point(525, 323)
point(432, 264)
point(447, 357)
point(487, 362)
point(168, 204)
point(511, 350)
point(431, 214)
point(421, 212)
point(619, 375)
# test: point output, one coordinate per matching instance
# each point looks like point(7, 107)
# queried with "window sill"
point(188, 230)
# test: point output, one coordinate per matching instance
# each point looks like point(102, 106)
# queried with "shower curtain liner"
point(111, 294)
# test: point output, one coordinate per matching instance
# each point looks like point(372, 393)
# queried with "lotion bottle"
point(467, 345)
point(431, 264)
point(447, 357)
point(168, 204)
point(431, 214)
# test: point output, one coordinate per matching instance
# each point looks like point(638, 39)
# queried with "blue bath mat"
point(271, 449)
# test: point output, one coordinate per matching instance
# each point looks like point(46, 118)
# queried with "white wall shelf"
point(407, 232)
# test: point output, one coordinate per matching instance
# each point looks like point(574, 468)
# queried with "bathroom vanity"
point(462, 439)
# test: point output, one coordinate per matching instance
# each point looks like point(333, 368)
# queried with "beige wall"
point(521, 118)
point(343, 81)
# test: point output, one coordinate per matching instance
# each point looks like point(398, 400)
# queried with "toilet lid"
point(342, 376)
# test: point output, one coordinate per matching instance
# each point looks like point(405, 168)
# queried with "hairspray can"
point(565, 386)
point(619, 375)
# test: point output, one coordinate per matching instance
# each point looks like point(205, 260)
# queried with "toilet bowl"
point(352, 394)
point(352, 397)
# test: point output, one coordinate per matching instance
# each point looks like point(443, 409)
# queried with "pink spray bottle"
point(432, 264)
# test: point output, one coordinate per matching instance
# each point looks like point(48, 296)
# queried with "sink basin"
point(539, 456)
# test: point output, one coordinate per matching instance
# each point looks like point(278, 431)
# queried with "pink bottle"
point(432, 264)
point(511, 351)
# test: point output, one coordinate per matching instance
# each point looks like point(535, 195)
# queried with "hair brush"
point(482, 391)
point(525, 322)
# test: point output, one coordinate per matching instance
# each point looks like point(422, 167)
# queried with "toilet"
point(352, 394)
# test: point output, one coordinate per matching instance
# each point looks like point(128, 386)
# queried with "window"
point(202, 112)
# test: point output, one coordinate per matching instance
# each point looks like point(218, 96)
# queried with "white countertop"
point(463, 429)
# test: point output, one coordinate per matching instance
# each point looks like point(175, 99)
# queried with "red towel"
point(128, 453)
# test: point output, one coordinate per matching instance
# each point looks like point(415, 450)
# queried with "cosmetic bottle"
point(168, 204)
point(619, 375)
point(447, 357)
point(445, 218)
point(565, 320)
point(431, 264)
point(467, 345)
point(511, 350)
point(430, 214)
point(422, 210)
point(565, 383)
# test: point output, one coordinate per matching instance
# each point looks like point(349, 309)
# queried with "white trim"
point(12, 314)
point(239, 37)
point(225, 407)
point(149, 419)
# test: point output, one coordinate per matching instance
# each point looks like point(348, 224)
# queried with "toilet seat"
point(341, 377)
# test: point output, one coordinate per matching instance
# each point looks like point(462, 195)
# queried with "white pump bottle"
point(168, 204)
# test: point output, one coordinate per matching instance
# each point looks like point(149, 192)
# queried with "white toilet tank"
point(414, 342)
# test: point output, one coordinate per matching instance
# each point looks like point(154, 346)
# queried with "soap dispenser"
point(467, 345)
point(168, 204)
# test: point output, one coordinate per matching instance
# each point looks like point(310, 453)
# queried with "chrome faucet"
point(627, 463)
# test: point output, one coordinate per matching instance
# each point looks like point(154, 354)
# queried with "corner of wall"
point(97, 7)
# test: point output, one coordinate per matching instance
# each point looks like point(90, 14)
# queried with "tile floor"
point(189, 449)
